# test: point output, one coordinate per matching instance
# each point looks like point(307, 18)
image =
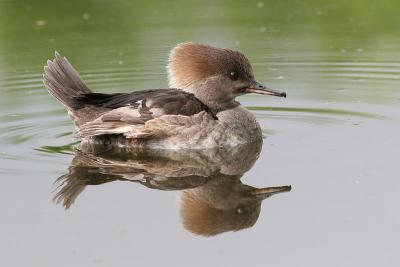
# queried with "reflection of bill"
point(213, 200)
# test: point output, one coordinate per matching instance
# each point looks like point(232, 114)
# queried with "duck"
point(198, 110)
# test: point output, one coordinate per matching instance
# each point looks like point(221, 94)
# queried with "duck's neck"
point(212, 94)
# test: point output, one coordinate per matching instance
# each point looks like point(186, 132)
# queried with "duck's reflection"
point(213, 200)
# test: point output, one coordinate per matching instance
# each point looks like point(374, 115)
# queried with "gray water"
point(334, 139)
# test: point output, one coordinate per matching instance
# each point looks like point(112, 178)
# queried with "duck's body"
point(201, 130)
point(203, 113)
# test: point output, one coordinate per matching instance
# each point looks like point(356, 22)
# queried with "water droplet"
point(86, 16)
point(260, 4)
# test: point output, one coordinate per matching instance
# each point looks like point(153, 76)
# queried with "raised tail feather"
point(63, 82)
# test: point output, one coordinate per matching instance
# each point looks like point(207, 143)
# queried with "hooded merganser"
point(200, 111)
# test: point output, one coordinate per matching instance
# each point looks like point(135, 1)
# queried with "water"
point(334, 139)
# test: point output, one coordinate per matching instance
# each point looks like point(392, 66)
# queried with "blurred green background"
point(110, 36)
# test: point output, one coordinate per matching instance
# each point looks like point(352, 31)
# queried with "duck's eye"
point(233, 75)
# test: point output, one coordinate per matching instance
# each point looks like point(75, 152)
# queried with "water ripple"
point(37, 126)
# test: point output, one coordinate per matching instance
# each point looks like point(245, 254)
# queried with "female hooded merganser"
point(199, 112)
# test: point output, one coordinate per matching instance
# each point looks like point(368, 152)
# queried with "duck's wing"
point(128, 113)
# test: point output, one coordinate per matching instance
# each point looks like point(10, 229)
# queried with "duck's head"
point(216, 76)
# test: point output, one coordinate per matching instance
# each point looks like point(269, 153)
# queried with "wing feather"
point(143, 114)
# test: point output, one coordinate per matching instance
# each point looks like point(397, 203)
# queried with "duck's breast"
point(232, 127)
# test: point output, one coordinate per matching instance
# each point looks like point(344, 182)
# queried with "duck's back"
point(137, 115)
